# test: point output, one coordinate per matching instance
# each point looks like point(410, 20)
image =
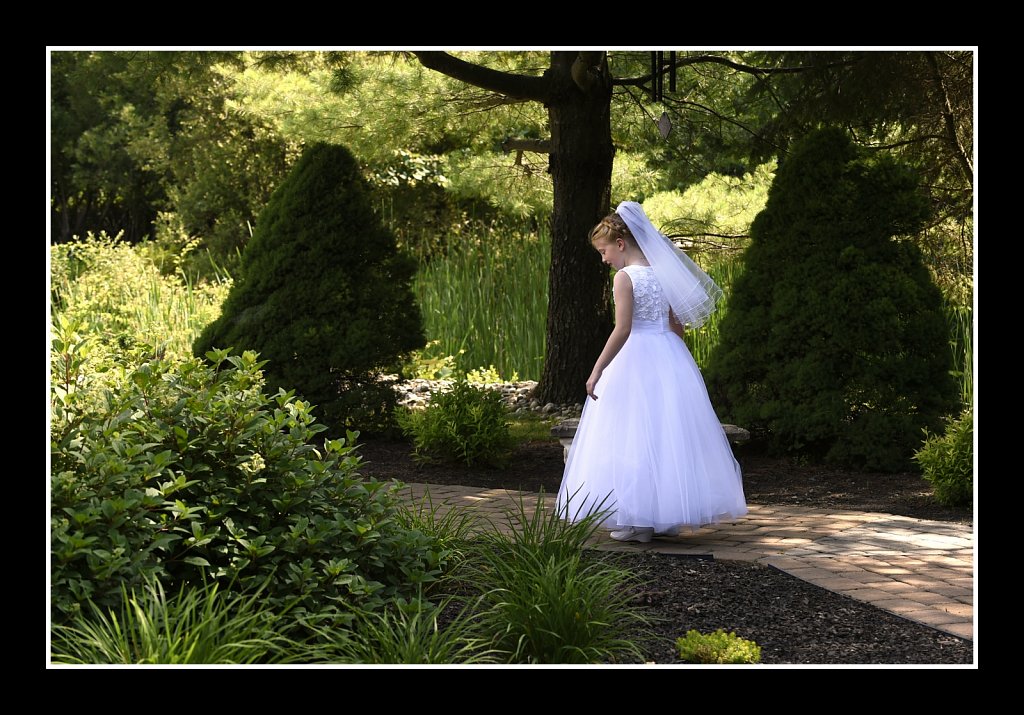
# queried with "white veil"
point(690, 291)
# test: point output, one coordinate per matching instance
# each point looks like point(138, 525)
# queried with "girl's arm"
point(622, 287)
point(674, 325)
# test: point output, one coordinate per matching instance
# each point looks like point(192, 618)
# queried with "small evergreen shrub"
point(717, 647)
point(948, 461)
point(189, 473)
point(324, 295)
point(835, 344)
point(465, 424)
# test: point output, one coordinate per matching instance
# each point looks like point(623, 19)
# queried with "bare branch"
point(738, 66)
point(696, 243)
point(511, 85)
point(906, 142)
point(704, 233)
point(950, 122)
point(713, 113)
point(540, 146)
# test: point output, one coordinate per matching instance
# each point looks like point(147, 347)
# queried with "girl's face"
point(612, 252)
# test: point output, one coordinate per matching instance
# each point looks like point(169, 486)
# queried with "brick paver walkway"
point(919, 569)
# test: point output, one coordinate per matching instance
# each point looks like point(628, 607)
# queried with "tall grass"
point(960, 319)
point(121, 296)
point(487, 299)
point(544, 598)
point(485, 302)
point(410, 634)
point(196, 625)
point(702, 341)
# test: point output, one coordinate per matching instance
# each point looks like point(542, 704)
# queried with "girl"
point(649, 446)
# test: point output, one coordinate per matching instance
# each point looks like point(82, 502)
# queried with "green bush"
point(189, 473)
point(197, 625)
point(323, 294)
point(544, 599)
point(835, 343)
point(466, 424)
point(948, 461)
point(717, 647)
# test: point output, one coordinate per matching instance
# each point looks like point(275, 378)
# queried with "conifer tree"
point(835, 343)
point(323, 293)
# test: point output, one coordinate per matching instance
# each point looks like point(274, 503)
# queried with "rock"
point(736, 435)
point(565, 429)
point(549, 408)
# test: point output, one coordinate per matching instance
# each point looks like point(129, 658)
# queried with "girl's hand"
point(592, 383)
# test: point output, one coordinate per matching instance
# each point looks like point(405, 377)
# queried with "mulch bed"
point(792, 620)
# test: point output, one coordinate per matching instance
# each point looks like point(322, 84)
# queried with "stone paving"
point(919, 569)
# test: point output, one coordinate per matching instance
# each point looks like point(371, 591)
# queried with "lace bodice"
point(649, 302)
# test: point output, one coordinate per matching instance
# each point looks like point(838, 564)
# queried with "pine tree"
point(323, 293)
point(835, 343)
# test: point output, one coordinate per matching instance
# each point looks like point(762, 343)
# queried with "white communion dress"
point(651, 447)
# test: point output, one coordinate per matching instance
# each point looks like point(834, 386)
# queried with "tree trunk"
point(579, 290)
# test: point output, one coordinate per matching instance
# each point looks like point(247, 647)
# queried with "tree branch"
point(705, 233)
point(540, 146)
point(511, 85)
point(947, 116)
point(713, 113)
point(738, 66)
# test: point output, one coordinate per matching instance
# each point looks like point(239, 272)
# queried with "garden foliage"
point(189, 473)
point(467, 424)
point(947, 461)
point(718, 647)
point(835, 342)
point(323, 294)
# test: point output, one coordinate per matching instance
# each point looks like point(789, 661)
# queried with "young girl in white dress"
point(649, 447)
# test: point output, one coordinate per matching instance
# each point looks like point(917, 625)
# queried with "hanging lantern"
point(664, 125)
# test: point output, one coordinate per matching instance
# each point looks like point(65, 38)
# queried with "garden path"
point(918, 569)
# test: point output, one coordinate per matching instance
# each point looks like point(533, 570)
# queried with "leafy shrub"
point(948, 461)
point(323, 294)
point(544, 599)
point(466, 424)
point(197, 625)
point(835, 343)
point(188, 473)
point(717, 647)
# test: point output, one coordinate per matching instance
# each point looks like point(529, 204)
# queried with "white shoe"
point(632, 533)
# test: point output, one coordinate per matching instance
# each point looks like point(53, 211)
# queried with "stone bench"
point(566, 430)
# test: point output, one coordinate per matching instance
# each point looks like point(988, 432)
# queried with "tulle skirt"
point(650, 449)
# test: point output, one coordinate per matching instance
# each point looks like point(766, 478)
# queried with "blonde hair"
point(611, 228)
